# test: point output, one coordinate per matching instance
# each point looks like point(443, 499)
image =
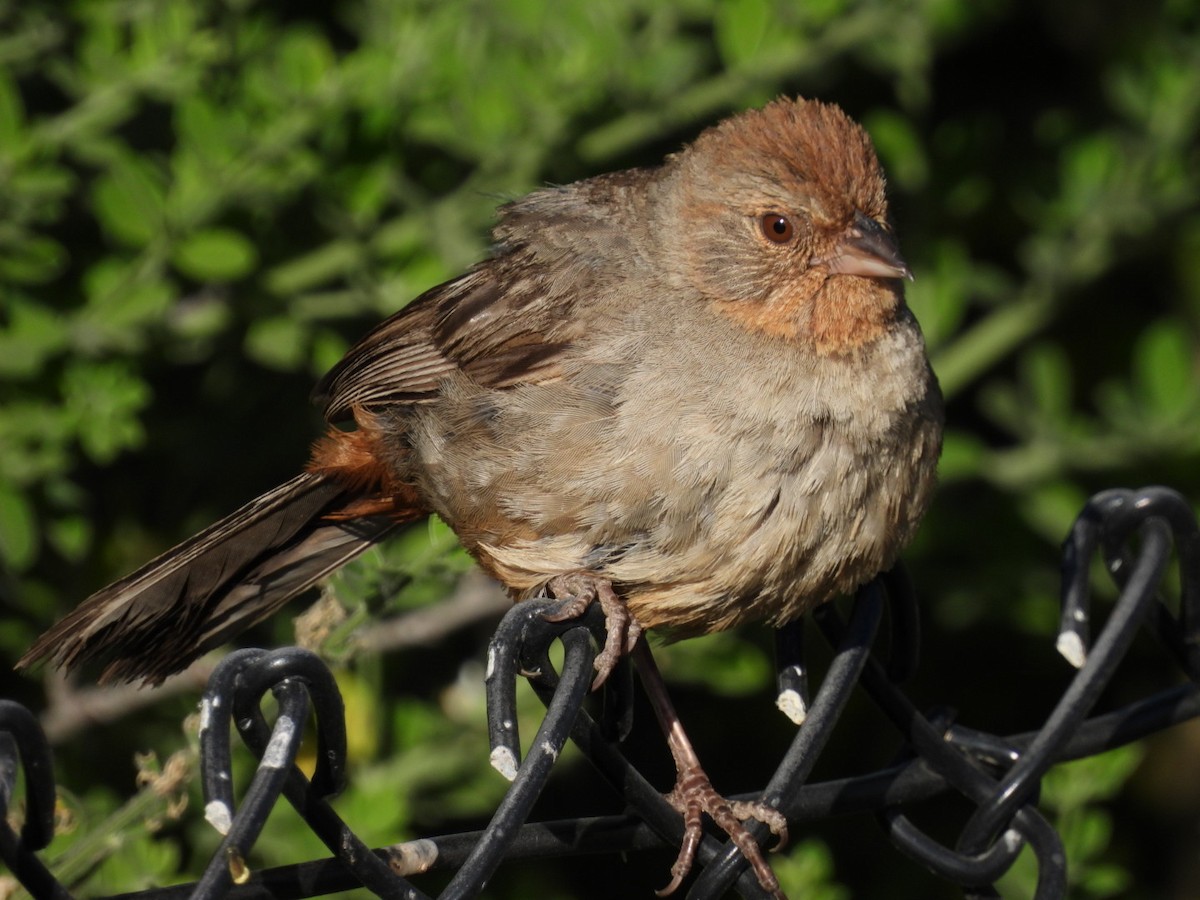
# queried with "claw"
point(578, 591)
point(694, 795)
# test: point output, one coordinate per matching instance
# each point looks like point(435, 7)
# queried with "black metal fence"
point(1132, 532)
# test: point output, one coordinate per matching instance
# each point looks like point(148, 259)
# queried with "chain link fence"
point(1132, 533)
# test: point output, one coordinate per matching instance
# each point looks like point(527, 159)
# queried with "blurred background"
point(203, 202)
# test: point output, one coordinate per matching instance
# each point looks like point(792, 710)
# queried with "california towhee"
point(691, 392)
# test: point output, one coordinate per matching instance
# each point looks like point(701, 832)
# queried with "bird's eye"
point(777, 228)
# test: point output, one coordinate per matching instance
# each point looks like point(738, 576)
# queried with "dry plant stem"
point(694, 795)
point(73, 709)
point(476, 598)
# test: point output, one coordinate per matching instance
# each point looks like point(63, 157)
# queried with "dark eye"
point(777, 228)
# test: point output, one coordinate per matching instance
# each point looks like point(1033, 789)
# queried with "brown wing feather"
point(234, 573)
point(395, 361)
point(512, 318)
point(498, 324)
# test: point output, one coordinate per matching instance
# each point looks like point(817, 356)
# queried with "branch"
point(73, 709)
point(475, 598)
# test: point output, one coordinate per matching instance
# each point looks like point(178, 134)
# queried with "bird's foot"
point(578, 591)
point(694, 795)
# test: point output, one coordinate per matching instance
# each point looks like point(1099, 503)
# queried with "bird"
point(692, 393)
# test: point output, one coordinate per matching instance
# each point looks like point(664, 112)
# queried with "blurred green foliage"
point(202, 203)
point(1070, 794)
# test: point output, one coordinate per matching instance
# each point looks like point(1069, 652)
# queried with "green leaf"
point(1046, 377)
point(1075, 784)
point(900, 148)
point(128, 201)
point(215, 254)
point(42, 188)
point(33, 334)
point(12, 116)
point(942, 290)
point(314, 268)
point(367, 191)
point(962, 455)
point(71, 536)
point(328, 348)
point(1106, 880)
point(279, 343)
point(200, 317)
point(1164, 368)
point(18, 529)
point(723, 662)
point(204, 131)
point(33, 260)
point(741, 26)
point(1089, 832)
point(105, 399)
point(125, 298)
point(197, 192)
point(1051, 508)
point(807, 870)
point(304, 60)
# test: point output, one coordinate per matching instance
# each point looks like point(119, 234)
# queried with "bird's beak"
point(867, 249)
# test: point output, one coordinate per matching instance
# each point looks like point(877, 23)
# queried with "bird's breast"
point(713, 482)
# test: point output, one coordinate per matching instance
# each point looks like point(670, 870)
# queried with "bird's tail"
point(233, 574)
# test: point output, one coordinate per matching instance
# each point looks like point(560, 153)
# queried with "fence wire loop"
point(25, 747)
point(998, 777)
point(1106, 525)
point(299, 681)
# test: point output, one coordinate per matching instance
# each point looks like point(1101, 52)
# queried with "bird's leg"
point(694, 795)
point(578, 590)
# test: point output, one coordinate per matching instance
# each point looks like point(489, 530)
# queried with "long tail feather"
point(235, 573)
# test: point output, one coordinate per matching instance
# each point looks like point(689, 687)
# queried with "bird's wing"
point(501, 324)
